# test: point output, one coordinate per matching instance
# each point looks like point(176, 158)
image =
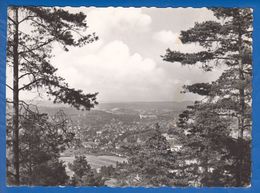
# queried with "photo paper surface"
point(129, 97)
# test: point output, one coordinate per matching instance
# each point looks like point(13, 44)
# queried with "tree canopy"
point(31, 34)
point(227, 42)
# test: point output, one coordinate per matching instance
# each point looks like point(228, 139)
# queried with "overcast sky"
point(125, 63)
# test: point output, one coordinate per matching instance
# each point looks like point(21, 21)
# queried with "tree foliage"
point(150, 165)
point(32, 31)
point(226, 109)
point(48, 25)
point(83, 174)
point(42, 139)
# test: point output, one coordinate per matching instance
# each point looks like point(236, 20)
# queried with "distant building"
point(99, 132)
point(143, 116)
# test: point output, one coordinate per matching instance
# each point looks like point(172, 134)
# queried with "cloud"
point(114, 72)
point(125, 64)
point(172, 40)
point(119, 74)
point(110, 20)
point(167, 36)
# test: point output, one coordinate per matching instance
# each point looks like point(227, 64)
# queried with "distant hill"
point(146, 106)
point(131, 108)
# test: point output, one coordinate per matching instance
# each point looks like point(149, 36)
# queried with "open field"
point(94, 161)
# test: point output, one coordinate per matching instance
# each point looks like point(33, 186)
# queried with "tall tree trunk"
point(206, 161)
point(242, 111)
point(16, 99)
point(30, 178)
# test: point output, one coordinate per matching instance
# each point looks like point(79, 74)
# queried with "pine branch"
point(12, 20)
point(9, 87)
point(26, 18)
point(31, 83)
point(37, 47)
point(9, 101)
point(24, 75)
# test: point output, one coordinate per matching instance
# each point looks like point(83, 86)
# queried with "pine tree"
point(29, 53)
point(83, 174)
point(226, 42)
point(42, 139)
point(151, 164)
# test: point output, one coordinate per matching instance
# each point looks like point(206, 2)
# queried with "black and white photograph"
point(129, 97)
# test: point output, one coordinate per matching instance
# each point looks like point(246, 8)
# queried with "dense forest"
point(203, 143)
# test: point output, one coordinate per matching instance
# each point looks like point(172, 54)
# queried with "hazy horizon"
point(50, 102)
